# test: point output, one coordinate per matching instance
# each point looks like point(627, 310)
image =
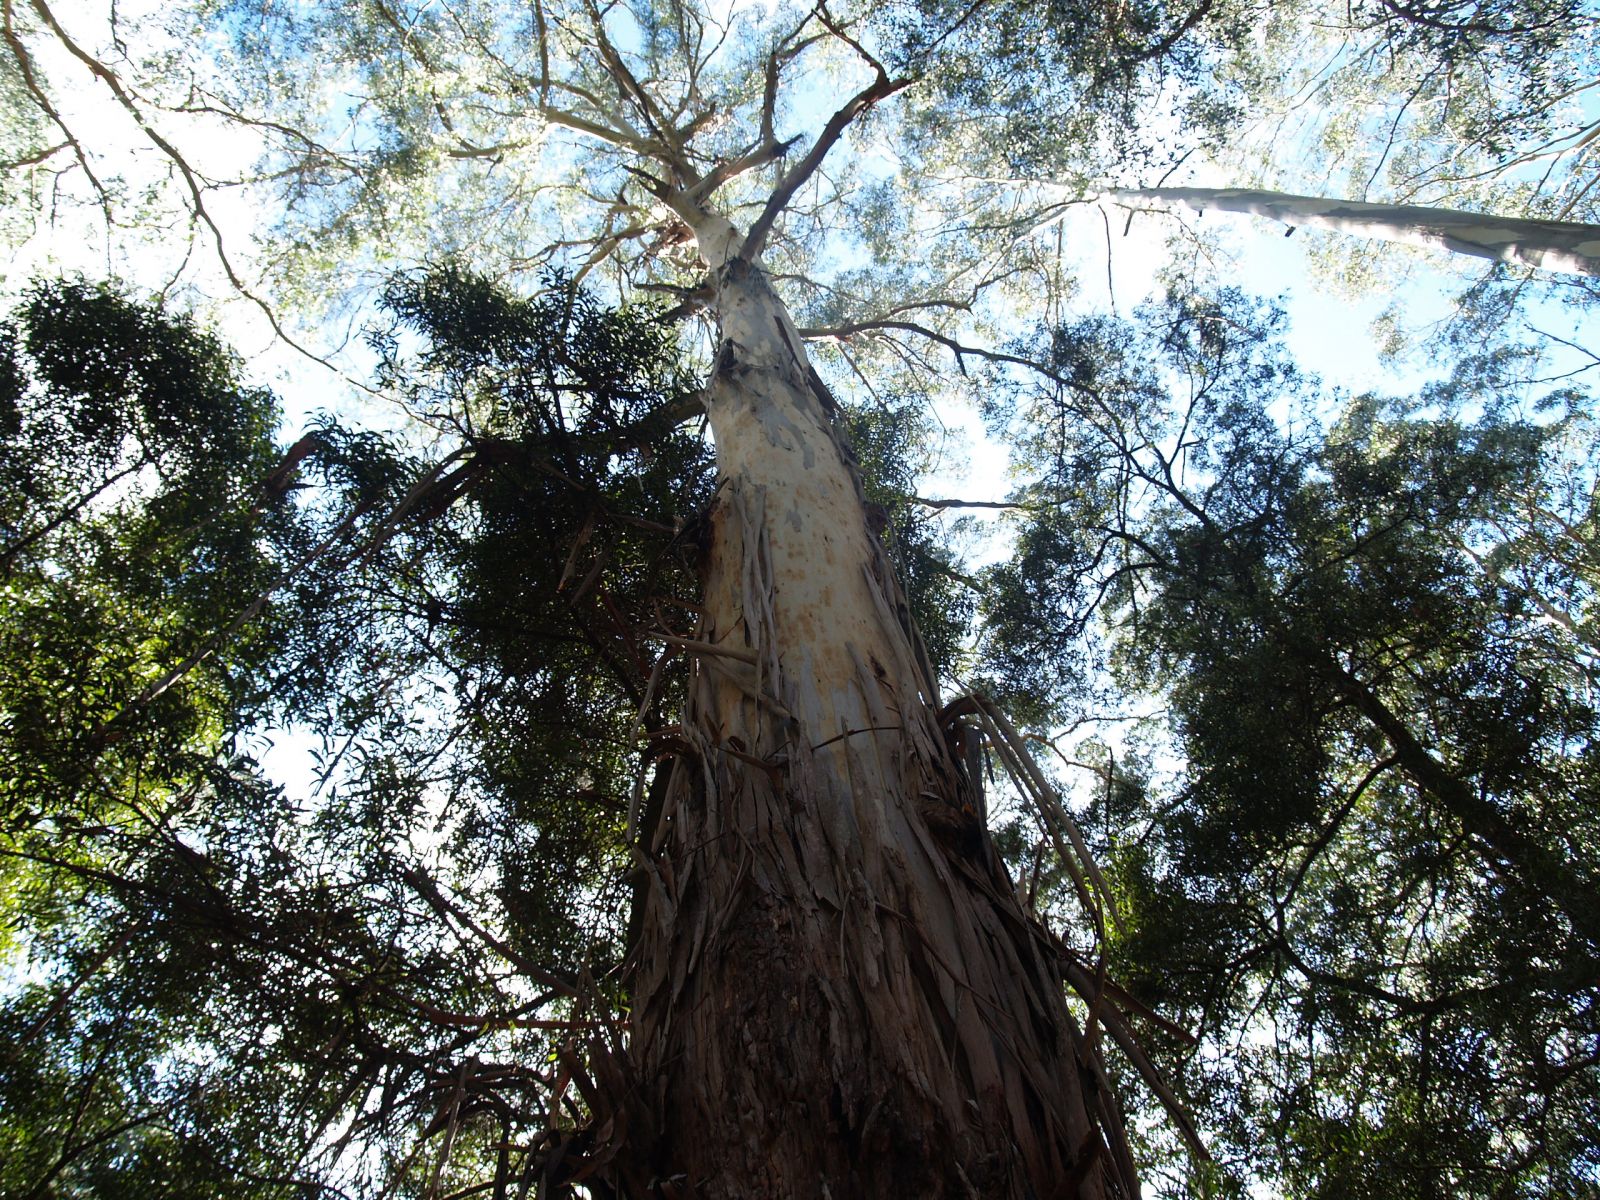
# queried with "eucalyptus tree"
point(222, 988)
point(829, 982)
point(1483, 109)
point(831, 986)
point(1419, 107)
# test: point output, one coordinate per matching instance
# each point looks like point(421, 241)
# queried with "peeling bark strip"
point(1566, 246)
point(834, 995)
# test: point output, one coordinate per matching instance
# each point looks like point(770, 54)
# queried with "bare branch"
point(192, 180)
point(668, 147)
point(942, 504)
point(31, 81)
point(33, 160)
point(961, 351)
point(784, 53)
point(424, 886)
point(881, 88)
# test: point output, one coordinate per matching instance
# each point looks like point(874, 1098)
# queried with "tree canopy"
point(1366, 867)
point(1271, 698)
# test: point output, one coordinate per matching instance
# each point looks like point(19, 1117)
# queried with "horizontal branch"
point(927, 503)
point(848, 329)
point(1567, 246)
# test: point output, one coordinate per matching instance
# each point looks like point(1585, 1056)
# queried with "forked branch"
point(881, 88)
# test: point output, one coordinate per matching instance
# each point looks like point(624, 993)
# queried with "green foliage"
point(1063, 88)
point(132, 461)
point(204, 971)
point(1365, 886)
point(1473, 105)
point(581, 482)
point(217, 986)
point(1490, 77)
point(1354, 854)
point(137, 523)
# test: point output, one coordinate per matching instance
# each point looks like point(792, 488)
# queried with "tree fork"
point(833, 996)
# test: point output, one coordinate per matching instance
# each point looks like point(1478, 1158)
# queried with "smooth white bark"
point(1565, 246)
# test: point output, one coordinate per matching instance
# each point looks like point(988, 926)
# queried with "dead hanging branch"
point(1012, 750)
point(1110, 1005)
point(1103, 998)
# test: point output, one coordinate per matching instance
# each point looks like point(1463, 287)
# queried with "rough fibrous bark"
point(1566, 246)
point(835, 990)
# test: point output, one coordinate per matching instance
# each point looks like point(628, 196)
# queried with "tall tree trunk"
point(1551, 245)
point(835, 990)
